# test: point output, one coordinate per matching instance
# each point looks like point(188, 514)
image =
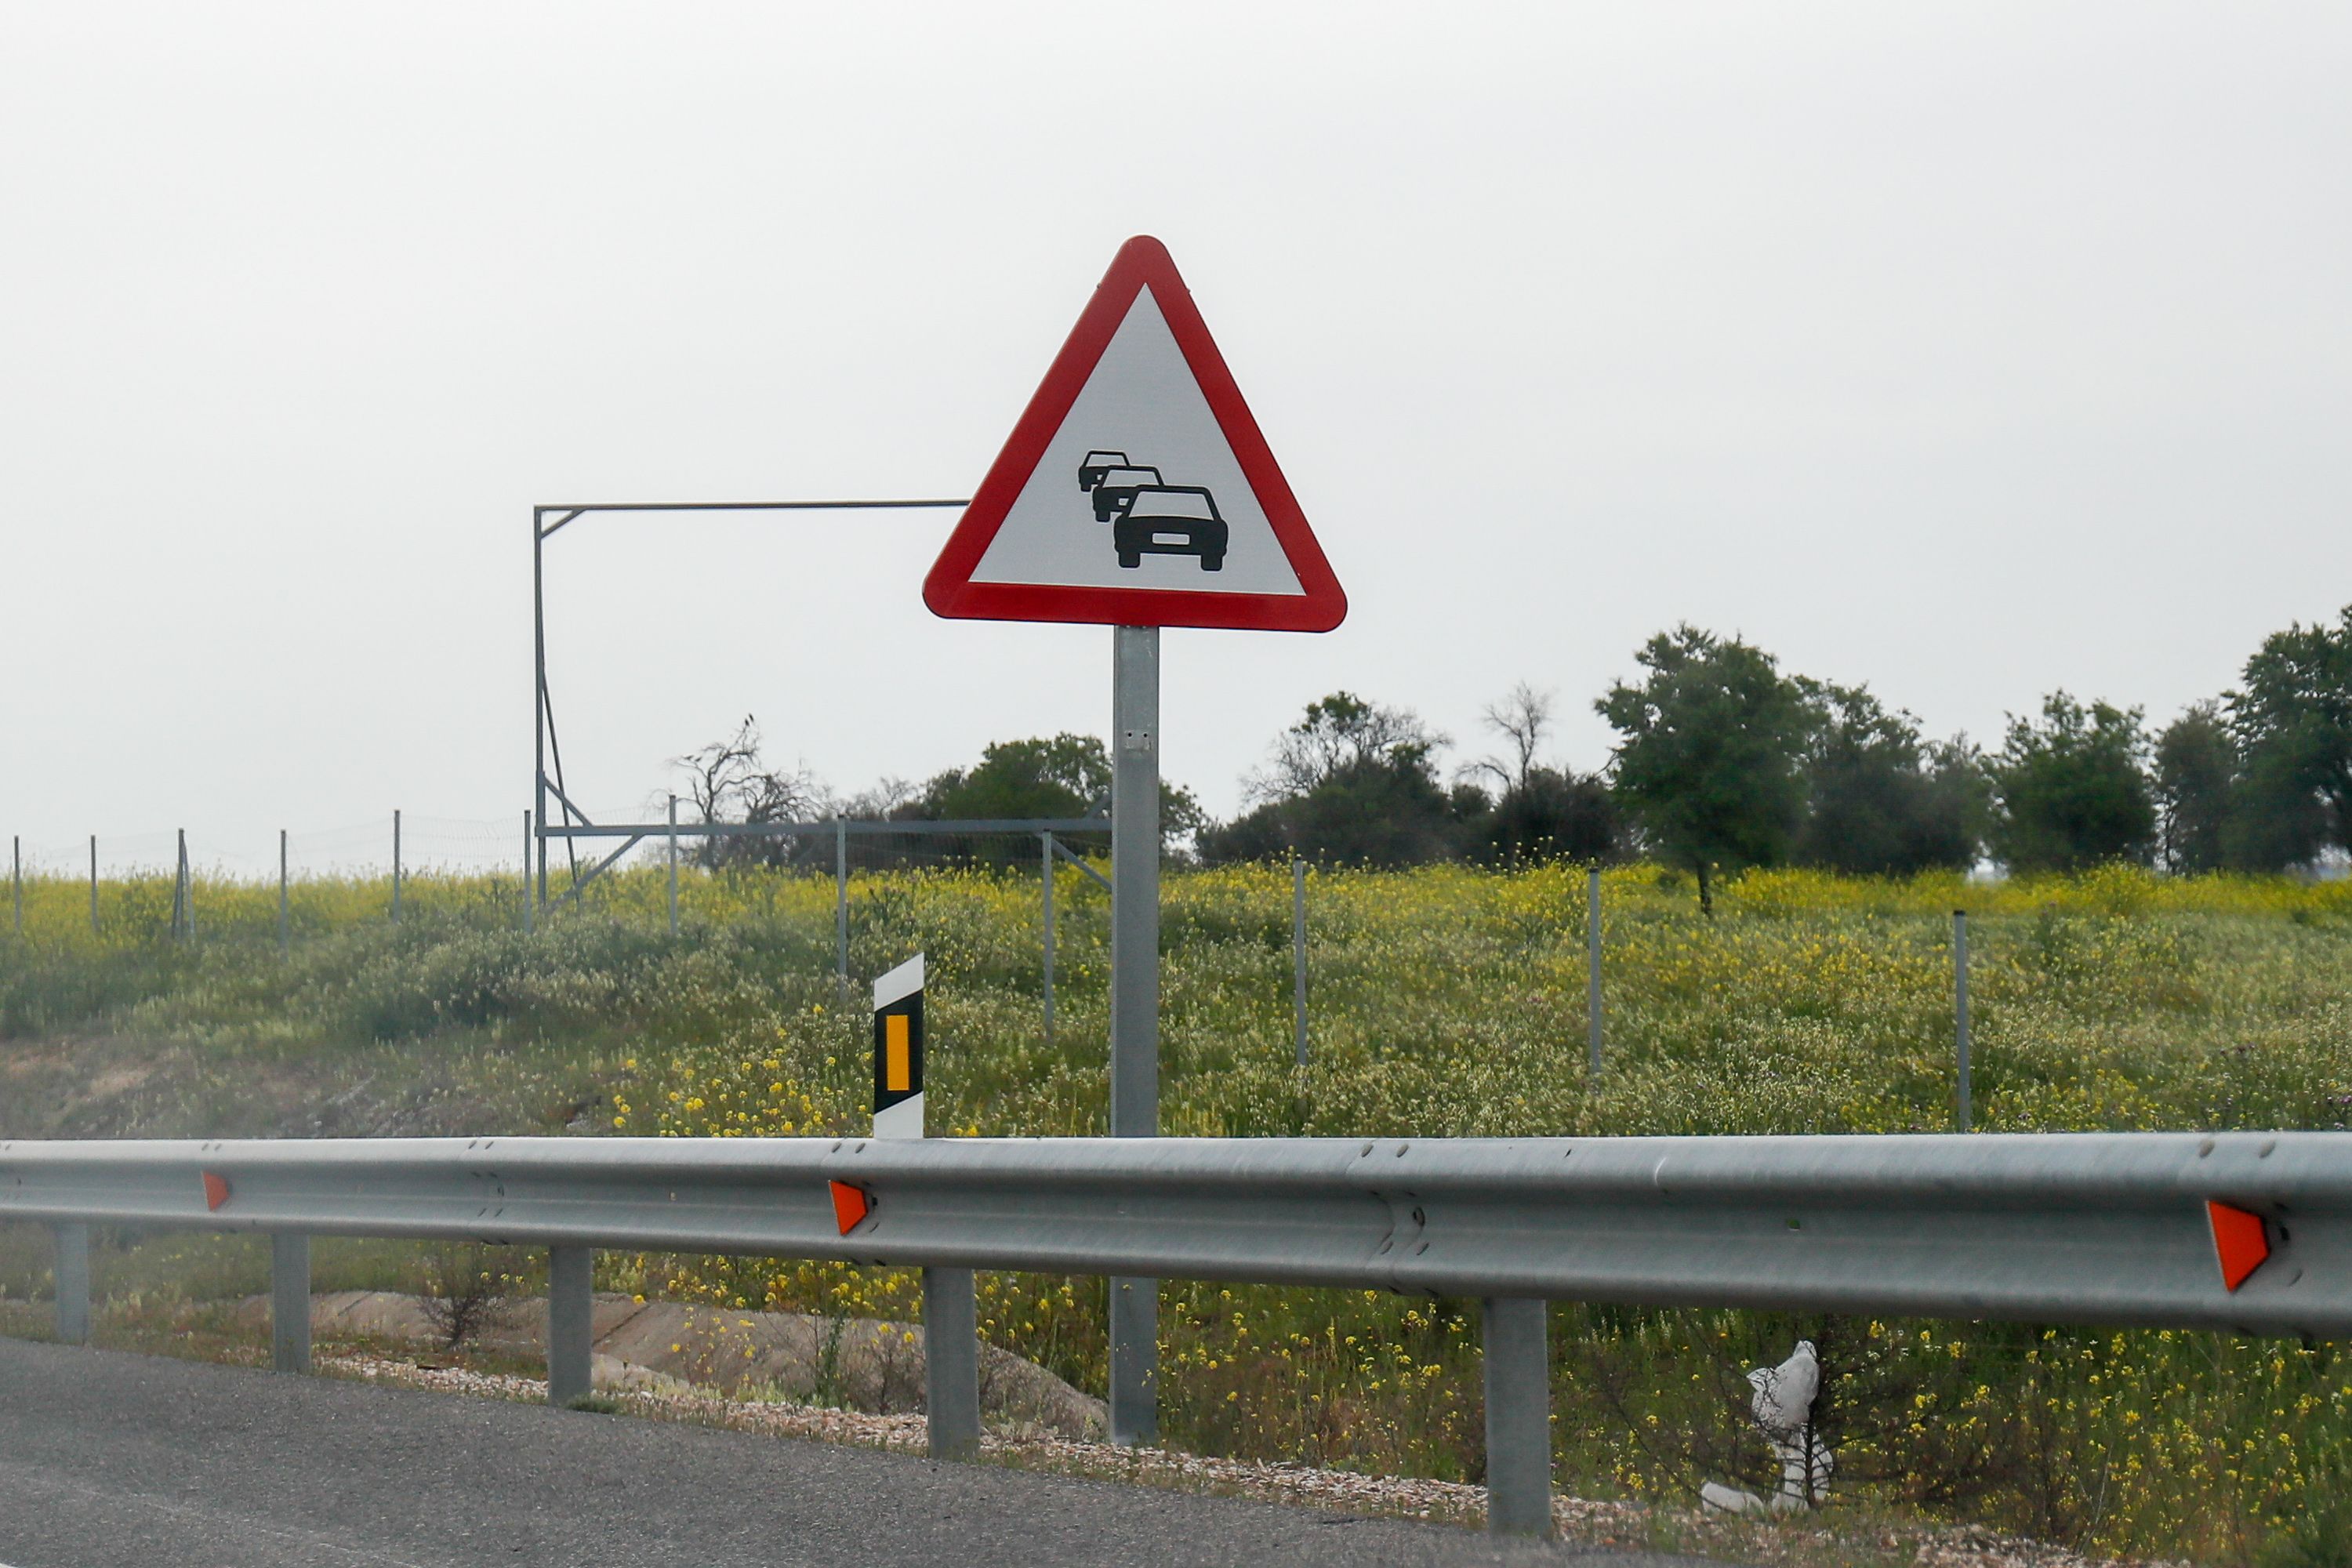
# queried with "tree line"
point(1723, 761)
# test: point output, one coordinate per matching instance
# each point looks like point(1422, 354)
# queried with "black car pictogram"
point(1170, 520)
point(1095, 464)
point(1115, 491)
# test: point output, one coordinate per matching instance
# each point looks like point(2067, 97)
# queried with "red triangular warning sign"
point(1137, 490)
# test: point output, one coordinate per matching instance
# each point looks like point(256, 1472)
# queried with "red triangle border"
point(1142, 262)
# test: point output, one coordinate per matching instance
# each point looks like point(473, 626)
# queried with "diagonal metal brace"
point(1064, 851)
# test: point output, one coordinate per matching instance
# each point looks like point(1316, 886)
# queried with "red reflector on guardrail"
point(850, 1204)
point(215, 1190)
point(2238, 1242)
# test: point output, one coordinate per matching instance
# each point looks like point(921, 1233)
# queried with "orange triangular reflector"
point(850, 1205)
point(215, 1190)
point(2238, 1242)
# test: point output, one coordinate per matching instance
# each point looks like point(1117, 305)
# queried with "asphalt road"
point(107, 1458)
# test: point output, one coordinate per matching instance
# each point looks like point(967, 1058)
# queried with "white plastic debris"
point(1783, 1410)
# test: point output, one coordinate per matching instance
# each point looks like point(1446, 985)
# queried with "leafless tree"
point(728, 781)
point(1522, 718)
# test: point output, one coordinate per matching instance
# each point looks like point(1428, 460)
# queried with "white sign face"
point(1137, 488)
point(1142, 406)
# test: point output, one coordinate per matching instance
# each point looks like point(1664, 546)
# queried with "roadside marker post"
point(1137, 491)
point(899, 1051)
point(951, 1302)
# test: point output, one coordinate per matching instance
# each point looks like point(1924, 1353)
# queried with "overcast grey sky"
point(1968, 351)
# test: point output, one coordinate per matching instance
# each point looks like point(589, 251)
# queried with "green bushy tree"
point(2292, 725)
point(1711, 762)
point(1042, 776)
point(1879, 801)
point(2197, 791)
point(2072, 787)
point(1551, 813)
point(1351, 781)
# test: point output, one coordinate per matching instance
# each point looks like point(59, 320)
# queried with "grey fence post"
point(290, 1301)
point(93, 884)
point(951, 1362)
point(1048, 839)
point(285, 917)
point(1135, 1001)
point(1961, 1011)
point(184, 904)
point(16, 875)
point(841, 908)
point(530, 904)
point(570, 1305)
point(72, 1275)
point(1592, 969)
point(396, 865)
point(1299, 955)
point(673, 865)
point(1518, 1418)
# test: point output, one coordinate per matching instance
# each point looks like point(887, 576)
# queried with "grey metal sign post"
point(1178, 517)
point(1135, 999)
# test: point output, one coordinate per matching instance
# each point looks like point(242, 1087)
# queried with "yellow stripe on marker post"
point(899, 1051)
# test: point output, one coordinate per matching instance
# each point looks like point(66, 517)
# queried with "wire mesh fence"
point(183, 886)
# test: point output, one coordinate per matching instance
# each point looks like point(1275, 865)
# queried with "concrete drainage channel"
point(2250, 1232)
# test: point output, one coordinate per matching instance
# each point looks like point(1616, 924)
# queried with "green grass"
point(1444, 1002)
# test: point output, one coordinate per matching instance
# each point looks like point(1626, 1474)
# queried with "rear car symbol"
point(1091, 470)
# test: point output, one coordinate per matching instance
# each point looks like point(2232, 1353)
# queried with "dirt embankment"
point(112, 1086)
point(667, 1347)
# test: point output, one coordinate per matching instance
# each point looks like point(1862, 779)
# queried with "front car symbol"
point(1170, 520)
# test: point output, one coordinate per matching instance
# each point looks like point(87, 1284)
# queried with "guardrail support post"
point(951, 1362)
point(290, 1301)
point(571, 1273)
point(1518, 1418)
point(72, 1274)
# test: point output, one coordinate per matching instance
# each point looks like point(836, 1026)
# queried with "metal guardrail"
point(2106, 1228)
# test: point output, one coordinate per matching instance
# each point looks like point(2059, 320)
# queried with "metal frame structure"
point(547, 748)
point(2098, 1228)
